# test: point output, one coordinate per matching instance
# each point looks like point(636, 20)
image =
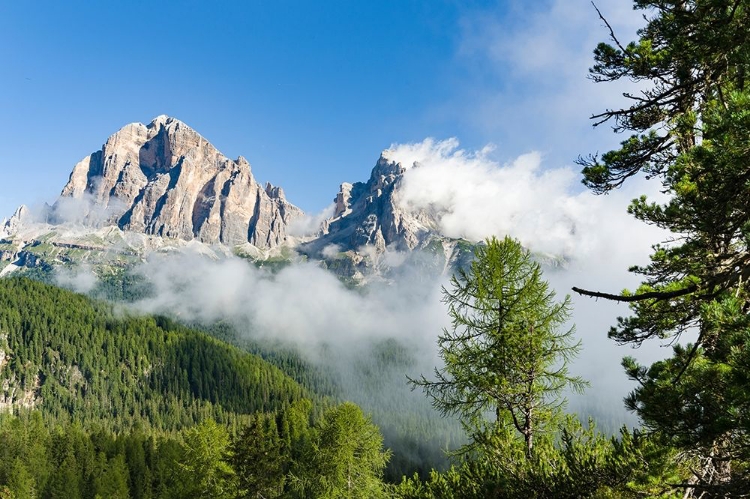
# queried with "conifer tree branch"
point(659, 295)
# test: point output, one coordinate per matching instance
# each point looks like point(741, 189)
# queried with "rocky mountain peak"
point(163, 120)
point(166, 179)
point(369, 214)
point(10, 226)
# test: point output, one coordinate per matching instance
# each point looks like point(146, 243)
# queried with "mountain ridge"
point(165, 179)
point(163, 186)
point(369, 213)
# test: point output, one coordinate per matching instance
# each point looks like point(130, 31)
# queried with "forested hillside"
point(103, 404)
point(112, 405)
point(288, 453)
point(81, 360)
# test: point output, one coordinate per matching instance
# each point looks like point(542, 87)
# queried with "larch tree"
point(345, 458)
point(506, 354)
point(204, 470)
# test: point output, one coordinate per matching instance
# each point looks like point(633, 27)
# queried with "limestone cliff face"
point(165, 179)
point(369, 214)
point(10, 227)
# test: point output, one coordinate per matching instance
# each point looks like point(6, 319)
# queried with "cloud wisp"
point(526, 66)
point(302, 304)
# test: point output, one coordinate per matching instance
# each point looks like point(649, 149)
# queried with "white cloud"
point(80, 279)
point(526, 83)
point(475, 197)
point(308, 225)
point(309, 309)
point(83, 210)
point(409, 154)
point(547, 209)
point(302, 303)
point(331, 251)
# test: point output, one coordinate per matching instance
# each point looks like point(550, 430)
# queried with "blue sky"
point(308, 92)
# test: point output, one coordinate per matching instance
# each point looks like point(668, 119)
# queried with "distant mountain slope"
point(369, 220)
point(165, 179)
point(76, 359)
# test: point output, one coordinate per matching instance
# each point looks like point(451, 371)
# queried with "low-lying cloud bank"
point(302, 303)
point(546, 208)
point(473, 197)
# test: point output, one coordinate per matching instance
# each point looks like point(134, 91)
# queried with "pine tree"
point(345, 459)
point(257, 459)
point(21, 482)
point(113, 482)
point(65, 481)
point(205, 471)
point(690, 129)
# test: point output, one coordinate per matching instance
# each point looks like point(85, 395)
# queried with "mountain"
point(370, 221)
point(369, 214)
point(13, 224)
point(162, 186)
point(165, 179)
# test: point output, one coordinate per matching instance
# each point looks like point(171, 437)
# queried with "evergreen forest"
point(100, 402)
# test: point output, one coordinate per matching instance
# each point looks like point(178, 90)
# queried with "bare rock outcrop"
point(10, 226)
point(369, 214)
point(167, 180)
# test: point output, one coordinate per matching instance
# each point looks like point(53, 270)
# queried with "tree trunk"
point(528, 436)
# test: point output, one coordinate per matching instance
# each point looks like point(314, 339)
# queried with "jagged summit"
point(166, 179)
point(10, 226)
point(163, 186)
point(369, 214)
point(162, 119)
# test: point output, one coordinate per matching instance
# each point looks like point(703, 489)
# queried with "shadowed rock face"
point(165, 179)
point(369, 214)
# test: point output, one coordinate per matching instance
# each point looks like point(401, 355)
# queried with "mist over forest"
point(506, 303)
point(574, 234)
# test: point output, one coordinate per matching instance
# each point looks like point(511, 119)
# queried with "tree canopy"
point(690, 130)
point(506, 353)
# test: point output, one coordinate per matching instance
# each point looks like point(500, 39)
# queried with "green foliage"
point(121, 285)
point(505, 354)
point(21, 480)
point(578, 462)
point(345, 459)
point(83, 362)
point(115, 388)
point(65, 482)
point(282, 454)
point(51, 460)
point(417, 435)
point(690, 134)
point(698, 399)
point(692, 54)
point(204, 470)
point(258, 456)
point(505, 357)
point(113, 481)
